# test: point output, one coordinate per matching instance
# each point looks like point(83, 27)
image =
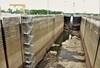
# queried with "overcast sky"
point(91, 6)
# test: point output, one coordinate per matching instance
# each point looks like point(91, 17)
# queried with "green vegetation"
point(32, 11)
point(43, 11)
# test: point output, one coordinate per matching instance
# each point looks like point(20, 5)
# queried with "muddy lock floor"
point(70, 55)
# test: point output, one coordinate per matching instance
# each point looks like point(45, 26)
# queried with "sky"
point(87, 6)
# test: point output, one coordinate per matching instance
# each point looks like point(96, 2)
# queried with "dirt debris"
point(71, 55)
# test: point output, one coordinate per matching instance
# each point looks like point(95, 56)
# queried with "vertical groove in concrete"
point(27, 44)
point(20, 30)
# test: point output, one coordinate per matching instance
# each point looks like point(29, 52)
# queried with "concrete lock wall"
point(90, 39)
point(12, 41)
point(45, 31)
point(24, 40)
point(2, 55)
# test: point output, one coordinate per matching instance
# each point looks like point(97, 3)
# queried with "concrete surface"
point(90, 35)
